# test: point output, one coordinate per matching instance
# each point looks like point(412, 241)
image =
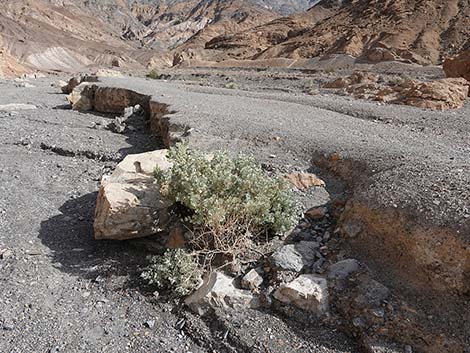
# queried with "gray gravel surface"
point(407, 158)
point(63, 291)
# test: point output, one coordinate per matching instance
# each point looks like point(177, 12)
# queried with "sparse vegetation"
point(175, 270)
point(231, 85)
point(229, 202)
point(402, 79)
point(154, 74)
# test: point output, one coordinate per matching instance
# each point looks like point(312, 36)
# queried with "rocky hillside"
point(73, 34)
point(408, 30)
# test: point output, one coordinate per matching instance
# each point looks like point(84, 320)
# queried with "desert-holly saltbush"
point(221, 191)
point(176, 270)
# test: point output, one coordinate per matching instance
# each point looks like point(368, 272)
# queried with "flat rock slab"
point(14, 107)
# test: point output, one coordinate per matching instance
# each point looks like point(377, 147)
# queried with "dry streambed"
point(310, 272)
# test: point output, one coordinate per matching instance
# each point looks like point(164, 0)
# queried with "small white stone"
point(308, 292)
point(252, 280)
point(218, 290)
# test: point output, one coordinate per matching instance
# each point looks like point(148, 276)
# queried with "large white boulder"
point(129, 203)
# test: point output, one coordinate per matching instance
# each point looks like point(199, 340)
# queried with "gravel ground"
point(64, 291)
point(412, 157)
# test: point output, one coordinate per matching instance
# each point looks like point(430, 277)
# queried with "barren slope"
point(70, 35)
point(417, 31)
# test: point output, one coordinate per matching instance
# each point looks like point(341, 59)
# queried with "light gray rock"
point(372, 293)
point(252, 280)
point(5, 254)
point(352, 230)
point(82, 96)
point(316, 196)
point(15, 107)
point(294, 257)
point(343, 269)
point(219, 291)
point(307, 292)
point(129, 202)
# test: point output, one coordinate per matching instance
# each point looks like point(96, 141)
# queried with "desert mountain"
point(410, 30)
point(73, 34)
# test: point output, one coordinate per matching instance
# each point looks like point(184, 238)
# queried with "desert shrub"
point(154, 74)
point(175, 270)
point(405, 77)
point(230, 200)
point(231, 85)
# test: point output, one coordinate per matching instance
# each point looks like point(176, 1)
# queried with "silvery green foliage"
point(222, 190)
point(175, 270)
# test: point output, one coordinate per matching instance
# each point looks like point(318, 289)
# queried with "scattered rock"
point(150, 324)
point(317, 212)
point(25, 85)
point(16, 107)
point(343, 269)
point(129, 203)
point(380, 54)
point(443, 94)
point(357, 78)
point(372, 293)
point(315, 197)
point(219, 291)
point(59, 84)
point(308, 292)
point(76, 81)
point(304, 181)
point(408, 349)
point(5, 254)
point(252, 280)
point(294, 257)
point(118, 126)
point(352, 230)
point(108, 73)
point(8, 326)
point(82, 97)
point(67, 88)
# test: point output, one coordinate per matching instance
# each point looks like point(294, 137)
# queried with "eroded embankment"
point(415, 254)
point(423, 255)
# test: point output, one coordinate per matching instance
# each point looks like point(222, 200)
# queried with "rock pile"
point(443, 94)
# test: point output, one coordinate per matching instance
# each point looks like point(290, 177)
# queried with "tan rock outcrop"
point(458, 66)
point(304, 181)
point(129, 203)
point(443, 94)
point(115, 100)
point(437, 95)
point(82, 96)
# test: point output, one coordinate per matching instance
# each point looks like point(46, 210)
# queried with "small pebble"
point(150, 324)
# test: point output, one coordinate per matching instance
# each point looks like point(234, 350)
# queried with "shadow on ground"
point(75, 251)
point(70, 234)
